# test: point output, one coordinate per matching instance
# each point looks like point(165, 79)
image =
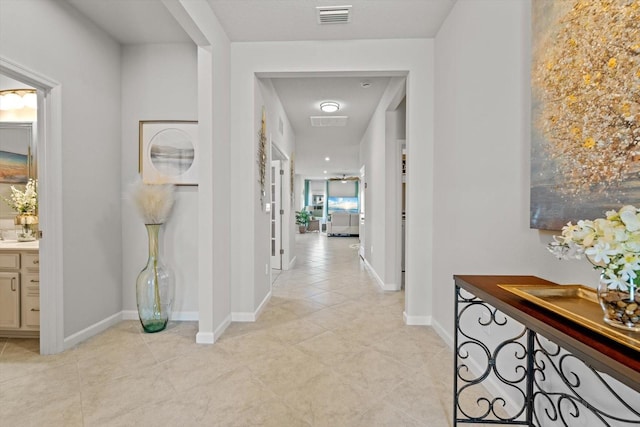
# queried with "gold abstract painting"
point(585, 78)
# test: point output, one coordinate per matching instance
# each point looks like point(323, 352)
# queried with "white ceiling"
point(148, 21)
point(283, 20)
point(301, 98)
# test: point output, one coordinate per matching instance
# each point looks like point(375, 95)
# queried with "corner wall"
point(51, 45)
point(481, 172)
point(159, 82)
point(387, 57)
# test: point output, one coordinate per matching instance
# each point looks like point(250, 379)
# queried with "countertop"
point(13, 245)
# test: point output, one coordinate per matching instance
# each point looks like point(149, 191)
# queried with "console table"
point(546, 369)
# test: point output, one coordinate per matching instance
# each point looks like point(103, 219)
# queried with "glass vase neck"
point(153, 231)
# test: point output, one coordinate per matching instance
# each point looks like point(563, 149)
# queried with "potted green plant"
point(302, 220)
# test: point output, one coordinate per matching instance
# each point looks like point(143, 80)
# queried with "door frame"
point(276, 217)
point(49, 131)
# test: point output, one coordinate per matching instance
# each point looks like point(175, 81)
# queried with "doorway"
point(276, 214)
point(49, 171)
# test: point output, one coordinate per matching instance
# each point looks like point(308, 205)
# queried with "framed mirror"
point(17, 164)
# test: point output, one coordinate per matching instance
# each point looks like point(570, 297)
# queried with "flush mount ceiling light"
point(15, 99)
point(326, 159)
point(329, 106)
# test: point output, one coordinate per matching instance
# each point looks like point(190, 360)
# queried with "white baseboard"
point(442, 332)
point(242, 316)
point(416, 320)
point(95, 329)
point(390, 287)
point(180, 316)
point(205, 338)
point(375, 275)
point(220, 329)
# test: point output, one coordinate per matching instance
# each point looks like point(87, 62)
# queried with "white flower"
point(24, 202)
point(614, 282)
point(629, 216)
point(611, 244)
point(600, 253)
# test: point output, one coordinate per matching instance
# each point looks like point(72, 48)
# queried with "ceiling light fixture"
point(324, 171)
point(326, 159)
point(16, 99)
point(329, 106)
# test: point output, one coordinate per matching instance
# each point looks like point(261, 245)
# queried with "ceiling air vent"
point(328, 121)
point(334, 14)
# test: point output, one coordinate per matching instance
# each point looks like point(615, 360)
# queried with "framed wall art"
point(16, 163)
point(169, 152)
point(585, 141)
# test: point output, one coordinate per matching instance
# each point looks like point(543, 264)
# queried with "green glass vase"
point(154, 287)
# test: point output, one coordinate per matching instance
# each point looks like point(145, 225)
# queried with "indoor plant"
point(25, 203)
point(612, 246)
point(302, 220)
point(154, 285)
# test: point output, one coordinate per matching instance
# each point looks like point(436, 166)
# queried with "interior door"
point(363, 186)
point(276, 214)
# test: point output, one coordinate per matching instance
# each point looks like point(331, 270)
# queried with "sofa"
point(344, 224)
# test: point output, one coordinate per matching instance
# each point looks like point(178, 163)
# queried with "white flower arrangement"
point(154, 201)
point(611, 244)
point(24, 202)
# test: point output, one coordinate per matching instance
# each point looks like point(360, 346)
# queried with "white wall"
point(481, 169)
point(66, 48)
point(159, 82)
point(285, 142)
point(387, 56)
point(214, 103)
point(380, 155)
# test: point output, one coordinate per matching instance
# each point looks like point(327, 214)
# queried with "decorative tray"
point(577, 303)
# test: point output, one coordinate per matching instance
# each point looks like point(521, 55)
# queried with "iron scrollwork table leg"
point(542, 384)
point(472, 403)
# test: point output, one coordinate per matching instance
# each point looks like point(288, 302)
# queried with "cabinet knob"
point(34, 281)
point(35, 309)
point(36, 261)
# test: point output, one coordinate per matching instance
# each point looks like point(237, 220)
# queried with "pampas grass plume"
point(154, 201)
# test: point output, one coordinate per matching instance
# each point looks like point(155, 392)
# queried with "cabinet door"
point(10, 261)
point(30, 301)
point(9, 300)
point(31, 261)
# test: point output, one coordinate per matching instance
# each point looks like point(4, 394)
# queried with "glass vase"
point(621, 307)
point(154, 287)
point(26, 227)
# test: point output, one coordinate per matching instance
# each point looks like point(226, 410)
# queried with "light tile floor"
point(330, 349)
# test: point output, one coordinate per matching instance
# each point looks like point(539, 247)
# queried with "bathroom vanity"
point(19, 289)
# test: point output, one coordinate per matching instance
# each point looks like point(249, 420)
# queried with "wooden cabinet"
point(9, 300)
point(19, 293)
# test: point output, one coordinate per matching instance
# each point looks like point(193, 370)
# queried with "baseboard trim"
point(390, 287)
point(292, 263)
point(243, 316)
point(416, 320)
point(205, 338)
point(442, 332)
point(220, 329)
point(375, 275)
point(74, 339)
point(180, 316)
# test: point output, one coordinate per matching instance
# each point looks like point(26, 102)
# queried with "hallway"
point(330, 349)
